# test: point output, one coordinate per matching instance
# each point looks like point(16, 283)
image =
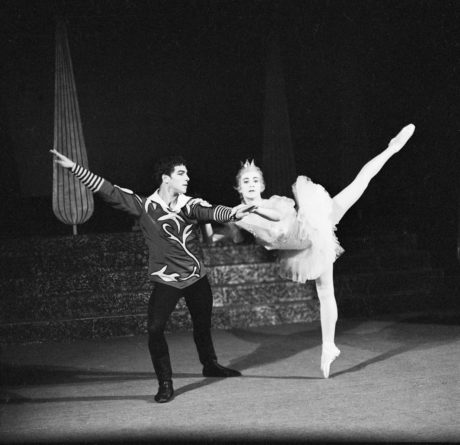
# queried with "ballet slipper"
point(329, 354)
point(401, 138)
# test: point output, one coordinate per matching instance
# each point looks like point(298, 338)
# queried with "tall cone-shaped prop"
point(278, 156)
point(72, 202)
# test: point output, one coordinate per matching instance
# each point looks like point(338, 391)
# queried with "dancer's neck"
point(257, 200)
point(169, 197)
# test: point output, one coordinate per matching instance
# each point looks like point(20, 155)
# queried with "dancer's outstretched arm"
point(62, 160)
point(121, 199)
point(127, 200)
point(270, 214)
point(350, 194)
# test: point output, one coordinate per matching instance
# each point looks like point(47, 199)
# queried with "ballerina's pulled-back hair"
point(248, 167)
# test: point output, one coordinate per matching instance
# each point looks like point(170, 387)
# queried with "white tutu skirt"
point(305, 239)
point(313, 223)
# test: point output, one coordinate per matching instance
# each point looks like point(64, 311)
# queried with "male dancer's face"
point(251, 186)
point(178, 180)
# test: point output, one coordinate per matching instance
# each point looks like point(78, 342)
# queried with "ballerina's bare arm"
point(270, 214)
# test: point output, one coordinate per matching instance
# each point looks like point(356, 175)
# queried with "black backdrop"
point(156, 77)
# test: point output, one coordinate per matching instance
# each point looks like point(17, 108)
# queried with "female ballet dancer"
point(305, 239)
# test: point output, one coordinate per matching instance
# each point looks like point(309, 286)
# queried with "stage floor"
point(397, 379)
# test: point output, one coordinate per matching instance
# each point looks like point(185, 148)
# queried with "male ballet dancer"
point(167, 219)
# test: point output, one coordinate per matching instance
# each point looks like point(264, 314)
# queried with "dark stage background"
point(159, 77)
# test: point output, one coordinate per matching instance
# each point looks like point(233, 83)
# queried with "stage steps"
point(91, 286)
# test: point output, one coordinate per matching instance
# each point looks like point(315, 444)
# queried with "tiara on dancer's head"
point(249, 166)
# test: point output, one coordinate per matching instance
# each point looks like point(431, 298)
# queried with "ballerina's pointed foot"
point(401, 138)
point(329, 354)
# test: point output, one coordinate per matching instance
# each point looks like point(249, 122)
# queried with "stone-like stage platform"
point(97, 286)
point(397, 379)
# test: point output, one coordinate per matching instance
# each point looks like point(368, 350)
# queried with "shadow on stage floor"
point(274, 345)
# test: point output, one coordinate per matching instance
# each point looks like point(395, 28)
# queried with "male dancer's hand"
point(199, 201)
point(61, 159)
point(242, 210)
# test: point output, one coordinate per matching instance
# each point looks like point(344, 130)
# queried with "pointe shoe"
point(401, 138)
point(329, 354)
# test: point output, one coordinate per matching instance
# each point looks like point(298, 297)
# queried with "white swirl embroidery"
point(173, 216)
point(182, 242)
point(165, 276)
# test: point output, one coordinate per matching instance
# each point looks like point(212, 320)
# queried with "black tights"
point(163, 300)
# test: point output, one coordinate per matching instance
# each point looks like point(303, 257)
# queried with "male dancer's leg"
point(198, 298)
point(350, 194)
point(162, 302)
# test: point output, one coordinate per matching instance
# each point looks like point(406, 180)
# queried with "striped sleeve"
point(90, 180)
point(222, 214)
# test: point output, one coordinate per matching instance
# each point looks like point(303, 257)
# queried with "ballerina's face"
point(251, 186)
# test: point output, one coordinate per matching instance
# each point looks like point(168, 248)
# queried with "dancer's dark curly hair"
point(165, 166)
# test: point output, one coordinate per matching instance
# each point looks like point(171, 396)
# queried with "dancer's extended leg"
point(328, 313)
point(350, 194)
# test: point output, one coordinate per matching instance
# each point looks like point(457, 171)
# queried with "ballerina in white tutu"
point(305, 239)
